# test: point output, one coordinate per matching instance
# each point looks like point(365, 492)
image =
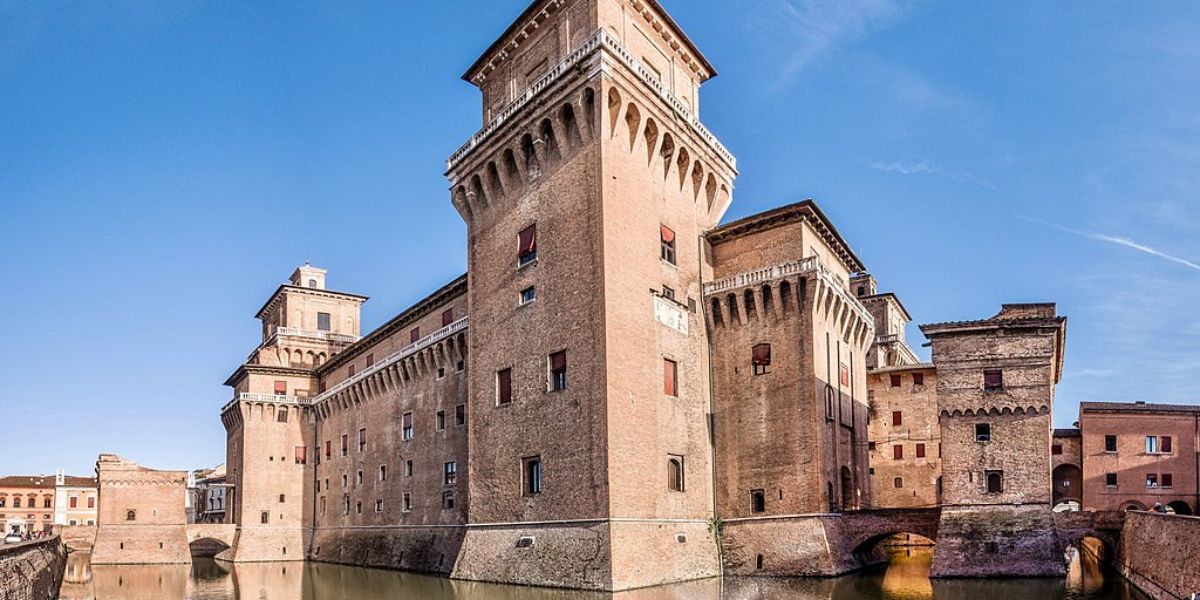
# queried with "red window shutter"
point(898, 452)
point(407, 420)
point(280, 388)
point(350, 371)
point(370, 359)
point(669, 378)
point(527, 241)
point(1166, 444)
point(761, 355)
point(328, 448)
point(301, 454)
point(993, 379)
point(74, 502)
point(1168, 480)
point(558, 361)
point(845, 373)
point(447, 317)
point(91, 503)
point(668, 236)
point(897, 418)
point(920, 450)
point(504, 383)
point(414, 335)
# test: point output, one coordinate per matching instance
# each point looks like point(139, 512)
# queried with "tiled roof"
point(27, 481)
point(1139, 407)
point(1067, 433)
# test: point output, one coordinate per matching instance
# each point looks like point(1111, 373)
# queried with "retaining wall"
point(1160, 554)
point(33, 570)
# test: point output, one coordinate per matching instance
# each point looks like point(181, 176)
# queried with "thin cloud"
point(1116, 240)
point(817, 27)
point(925, 168)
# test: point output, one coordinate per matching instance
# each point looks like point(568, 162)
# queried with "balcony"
point(272, 398)
point(316, 335)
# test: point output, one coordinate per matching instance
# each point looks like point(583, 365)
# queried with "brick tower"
point(268, 422)
point(586, 195)
point(995, 390)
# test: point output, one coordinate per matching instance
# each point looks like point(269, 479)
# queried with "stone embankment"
point(1160, 554)
point(33, 570)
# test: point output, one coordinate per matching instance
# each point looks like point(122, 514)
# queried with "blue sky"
point(163, 166)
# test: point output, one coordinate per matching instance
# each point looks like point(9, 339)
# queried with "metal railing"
point(600, 39)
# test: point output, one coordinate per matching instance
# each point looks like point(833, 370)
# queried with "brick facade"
point(141, 518)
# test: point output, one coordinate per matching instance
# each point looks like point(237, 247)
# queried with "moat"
point(906, 577)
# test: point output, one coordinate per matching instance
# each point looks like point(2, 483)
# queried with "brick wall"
point(33, 570)
point(1158, 554)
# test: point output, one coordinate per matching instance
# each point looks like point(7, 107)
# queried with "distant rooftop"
point(1138, 407)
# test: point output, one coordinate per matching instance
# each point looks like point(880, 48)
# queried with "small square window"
point(1110, 443)
point(898, 483)
point(1110, 479)
point(668, 293)
point(895, 380)
point(1168, 480)
point(528, 295)
point(918, 379)
point(448, 500)
point(1151, 480)
point(1056, 449)
point(323, 321)
point(983, 432)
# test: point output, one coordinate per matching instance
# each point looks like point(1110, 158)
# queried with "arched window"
point(282, 415)
point(995, 482)
point(17, 502)
point(675, 473)
point(312, 283)
point(898, 483)
point(131, 515)
point(760, 358)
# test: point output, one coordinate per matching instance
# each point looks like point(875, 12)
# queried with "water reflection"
point(906, 577)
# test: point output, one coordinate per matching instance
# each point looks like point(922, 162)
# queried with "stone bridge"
point(864, 529)
point(1071, 527)
point(220, 532)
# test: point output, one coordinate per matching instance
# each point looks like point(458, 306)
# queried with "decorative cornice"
point(601, 40)
point(270, 303)
point(806, 211)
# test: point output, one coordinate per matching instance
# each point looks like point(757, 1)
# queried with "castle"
point(620, 392)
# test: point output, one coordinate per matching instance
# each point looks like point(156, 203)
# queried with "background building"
point(1136, 455)
point(27, 503)
point(76, 500)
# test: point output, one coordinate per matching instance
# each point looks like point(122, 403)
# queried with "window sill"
point(527, 264)
point(667, 263)
point(527, 303)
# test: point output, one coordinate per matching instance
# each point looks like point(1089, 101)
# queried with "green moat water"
point(906, 577)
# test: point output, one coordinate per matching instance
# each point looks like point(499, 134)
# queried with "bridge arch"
point(210, 539)
point(866, 529)
point(1181, 508)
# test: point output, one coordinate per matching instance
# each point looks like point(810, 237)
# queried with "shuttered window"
point(280, 388)
point(414, 335)
point(897, 418)
point(447, 317)
point(993, 379)
point(504, 386)
point(667, 243)
point(760, 358)
point(558, 371)
point(670, 378)
point(920, 450)
point(527, 245)
point(898, 452)
point(1166, 444)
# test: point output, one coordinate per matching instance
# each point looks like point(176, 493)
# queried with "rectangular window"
point(670, 378)
point(527, 245)
point(1151, 480)
point(897, 418)
point(440, 421)
point(378, 505)
point(345, 505)
point(920, 450)
point(1151, 444)
point(758, 501)
point(983, 432)
point(558, 371)
point(898, 452)
point(675, 482)
point(528, 295)
point(383, 472)
point(301, 455)
point(323, 321)
point(918, 379)
point(844, 374)
point(995, 481)
point(350, 370)
point(280, 388)
point(448, 500)
point(993, 380)
point(895, 380)
point(408, 468)
point(667, 243)
point(1166, 444)
point(1110, 479)
point(414, 335)
point(358, 478)
point(532, 474)
point(1110, 443)
point(362, 440)
point(370, 360)
point(74, 502)
point(760, 359)
point(91, 503)
point(1056, 449)
point(406, 431)
point(358, 507)
point(345, 444)
point(328, 448)
point(447, 317)
point(265, 517)
point(504, 386)
point(668, 293)
point(406, 502)
point(898, 483)
point(449, 473)
point(1168, 480)
point(460, 415)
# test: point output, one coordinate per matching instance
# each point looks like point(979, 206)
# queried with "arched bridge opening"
point(210, 540)
point(873, 534)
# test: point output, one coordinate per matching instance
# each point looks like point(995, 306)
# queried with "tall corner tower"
point(995, 391)
point(586, 195)
point(268, 424)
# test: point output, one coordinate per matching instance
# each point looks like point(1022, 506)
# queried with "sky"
point(164, 166)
